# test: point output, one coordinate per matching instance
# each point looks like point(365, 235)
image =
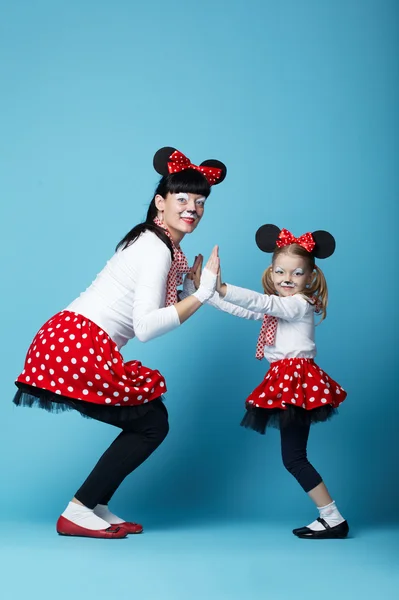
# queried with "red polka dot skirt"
point(72, 357)
point(296, 382)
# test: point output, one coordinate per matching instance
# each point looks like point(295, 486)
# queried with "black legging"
point(294, 439)
point(138, 439)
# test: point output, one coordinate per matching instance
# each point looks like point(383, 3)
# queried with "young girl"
point(74, 361)
point(295, 392)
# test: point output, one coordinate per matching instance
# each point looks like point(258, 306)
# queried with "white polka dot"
point(67, 318)
point(42, 367)
point(27, 378)
point(296, 374)
point(70, 388)
point(90, 383)
point(47, 356)
point(66, 349)
point(98, 357)
point(52, 334)
point(85, 392)
point(74, 361)
point(124, 377)
point(34, 370)
point(279, 395)
point(324, 400)
point(270, 401)
point(91, 351)
point(338, 391)
point(58, 359)
point(58, 392)
point(75, 376)
point(285, 389)
point(78, 345)
point(106, 367)
point(114, 360)
point(44, 341)
point(304, 385)
point(326, 391)
point(315, 388)
point(262, 395)
point(60, 380)
point(29, 360)
point(52, 347)
point(126, 398)
point(271, 388)
point(312, 399)
point(293, 401)
point(286, 376)
point(148, 380)
point(61, 339)
point(116, 394)
point(37, 354)
point(108, 400)
point(78, 326)
point(52, 383)
point(127, 389)
point(139, 397)
point(100, 394)
point(97, 376)
point(84, 336)
point(85, 359)
point(280, 385)
point(106, 385)
point(72, 336)
point(100, 332)
point(51, 371)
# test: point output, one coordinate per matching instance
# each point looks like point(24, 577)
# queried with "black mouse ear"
point(215, 164)
point(161, 159)
point(325, 244)
point(266, 237)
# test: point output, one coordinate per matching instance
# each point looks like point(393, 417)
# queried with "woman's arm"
point(150, 318)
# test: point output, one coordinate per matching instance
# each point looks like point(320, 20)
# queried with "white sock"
point(84, 517)
point(102, 510)
point(330, 514)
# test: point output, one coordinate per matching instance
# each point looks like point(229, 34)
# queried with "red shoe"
point(131, 527)
point(66, 527)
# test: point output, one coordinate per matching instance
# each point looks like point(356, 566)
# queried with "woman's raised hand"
point(213, 264)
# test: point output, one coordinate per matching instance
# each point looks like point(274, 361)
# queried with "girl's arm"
point(291, 308)
point(217, 302)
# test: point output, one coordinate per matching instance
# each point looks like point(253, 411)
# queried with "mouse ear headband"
point(320, 244)
point(169, 160)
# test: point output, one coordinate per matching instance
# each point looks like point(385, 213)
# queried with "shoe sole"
point(91, 536)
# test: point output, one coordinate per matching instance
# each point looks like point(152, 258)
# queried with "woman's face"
point(180, 212)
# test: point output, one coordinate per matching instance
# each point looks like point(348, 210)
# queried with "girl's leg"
point(138, 439)
point(294, 439)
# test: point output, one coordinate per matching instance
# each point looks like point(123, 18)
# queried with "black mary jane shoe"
point(328, 533)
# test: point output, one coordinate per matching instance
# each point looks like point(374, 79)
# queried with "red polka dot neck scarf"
point(178, 268)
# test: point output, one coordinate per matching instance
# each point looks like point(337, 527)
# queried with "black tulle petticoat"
point(30, 396)
point(259, 419)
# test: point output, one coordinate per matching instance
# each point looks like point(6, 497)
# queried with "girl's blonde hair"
point(317, 288)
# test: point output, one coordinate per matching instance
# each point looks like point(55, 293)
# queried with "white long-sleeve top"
point(295, 328)
point(127, 298)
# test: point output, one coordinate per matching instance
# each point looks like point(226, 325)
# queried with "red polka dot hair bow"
point(169, 160)
point(286, 238)
point(178, 162)
point(178, 268)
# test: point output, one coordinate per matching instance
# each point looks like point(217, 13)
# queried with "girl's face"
point(290, 274)
point(180, 212)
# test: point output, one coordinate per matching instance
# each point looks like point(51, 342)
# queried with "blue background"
point(300, 100)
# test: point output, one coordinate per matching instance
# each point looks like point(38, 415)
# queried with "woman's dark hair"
point(188, 181)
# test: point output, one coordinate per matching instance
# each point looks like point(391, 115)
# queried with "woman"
point(74, 361)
